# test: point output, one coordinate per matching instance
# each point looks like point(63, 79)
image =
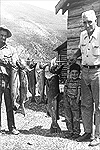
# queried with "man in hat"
point(8, 58)
point(89, 49)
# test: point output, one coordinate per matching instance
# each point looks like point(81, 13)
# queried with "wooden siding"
point(62, 56)
point(74, 25)
point(64, 5)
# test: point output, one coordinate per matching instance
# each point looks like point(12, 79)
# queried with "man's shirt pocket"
point(95, 49)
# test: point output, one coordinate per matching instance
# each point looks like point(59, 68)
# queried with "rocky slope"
point(36, 31)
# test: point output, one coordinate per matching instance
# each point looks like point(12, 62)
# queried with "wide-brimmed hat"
point(3, 27)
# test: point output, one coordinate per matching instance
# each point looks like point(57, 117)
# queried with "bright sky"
point(46, 4)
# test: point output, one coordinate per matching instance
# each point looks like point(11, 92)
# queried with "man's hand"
point(75, 56)
point(20, 65)
point(72, 59)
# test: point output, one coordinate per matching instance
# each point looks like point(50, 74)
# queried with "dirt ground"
point(35, 133)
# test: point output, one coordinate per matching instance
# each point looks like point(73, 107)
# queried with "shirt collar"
point(95, 32)
point(94, 35)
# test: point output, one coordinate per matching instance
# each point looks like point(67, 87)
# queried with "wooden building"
point(74, 22)
point(62, 57)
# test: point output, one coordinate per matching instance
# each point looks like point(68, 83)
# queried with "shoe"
point(20, 110)
point(0, 130)
point(14, 131)
point(48, 114)
point(14, 108)
point(84, 137)
point(69, 135)
point(55, 128)
point(58, 117)
point(95, 142)
point(75, 136)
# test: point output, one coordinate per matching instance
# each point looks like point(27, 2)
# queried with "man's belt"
point(92, 67)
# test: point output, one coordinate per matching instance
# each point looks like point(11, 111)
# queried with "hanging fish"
point(22, 88)
point(53, 97)
point(31, 75)
point(42, 83)
point(14, 88)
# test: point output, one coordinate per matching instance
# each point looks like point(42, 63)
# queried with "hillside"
point(36, 31)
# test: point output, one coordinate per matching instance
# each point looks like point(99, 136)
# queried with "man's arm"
point(75, 56)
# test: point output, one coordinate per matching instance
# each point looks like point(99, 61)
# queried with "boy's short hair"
point(75, 67)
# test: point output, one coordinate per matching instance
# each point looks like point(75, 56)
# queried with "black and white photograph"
point(49, 74)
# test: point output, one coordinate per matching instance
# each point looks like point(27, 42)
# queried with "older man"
point(89, 49)
point(8, 59)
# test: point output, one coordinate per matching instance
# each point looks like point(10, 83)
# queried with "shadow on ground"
point(35, 106)
point(38, 130)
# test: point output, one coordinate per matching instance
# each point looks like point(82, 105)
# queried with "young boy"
point(72, 89)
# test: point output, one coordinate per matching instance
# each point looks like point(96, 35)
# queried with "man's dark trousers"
point(8, 103)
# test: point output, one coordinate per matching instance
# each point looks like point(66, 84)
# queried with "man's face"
point(89, 24)
point(3, 36)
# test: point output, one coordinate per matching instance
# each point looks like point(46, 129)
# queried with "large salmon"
point(14, 88)
point(42, 82)
point(22, 88)
point(53, 95)
point(31, 75)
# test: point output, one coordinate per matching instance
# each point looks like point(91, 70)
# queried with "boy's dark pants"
point(72, 115)
point(8, 104)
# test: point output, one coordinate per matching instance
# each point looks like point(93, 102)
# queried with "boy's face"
point(74, 74)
